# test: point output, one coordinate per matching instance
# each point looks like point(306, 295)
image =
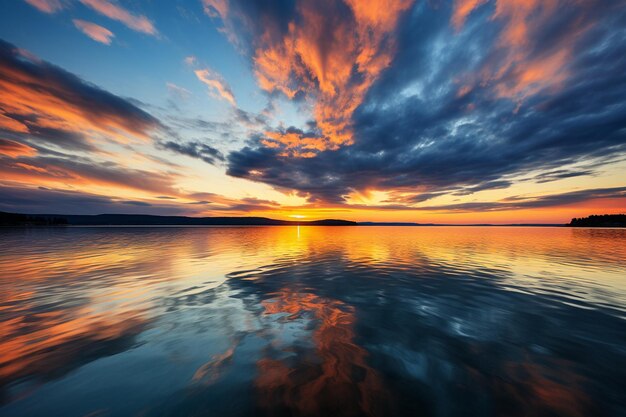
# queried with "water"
point(281, 321)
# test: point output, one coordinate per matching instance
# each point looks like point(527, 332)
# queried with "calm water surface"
point(287, 321)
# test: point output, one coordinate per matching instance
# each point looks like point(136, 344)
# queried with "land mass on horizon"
point(22, 219)
point(19, 219)
point(602, 220)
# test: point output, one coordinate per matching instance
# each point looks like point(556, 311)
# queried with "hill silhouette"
point(15, 219)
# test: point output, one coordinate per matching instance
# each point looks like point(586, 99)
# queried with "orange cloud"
point(217, 86)
point(331, 56)
point(14, 149)
point(113, 11)
point(521, 72)
point(462, 8)
point(46, 6)
point(35, 95)
point(61, 172)
point(7, 123)
point(95, 32)
point(297, 144)
point(215, 8)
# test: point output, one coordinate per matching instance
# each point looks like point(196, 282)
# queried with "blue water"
point(287, 321)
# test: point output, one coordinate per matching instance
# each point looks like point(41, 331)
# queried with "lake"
point(306, 321)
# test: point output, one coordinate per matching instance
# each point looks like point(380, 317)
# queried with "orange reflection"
point(537, 389)
point(212, 370)
point(331, 387)
point(121, 276)
point(48, 343)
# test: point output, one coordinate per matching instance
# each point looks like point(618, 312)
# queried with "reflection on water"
point(344, 321)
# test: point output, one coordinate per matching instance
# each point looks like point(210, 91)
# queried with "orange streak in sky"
point(49, 103)
point(14, 149)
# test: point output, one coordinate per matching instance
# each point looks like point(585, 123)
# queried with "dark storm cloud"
point(430, 123)
point(44, 103)
point(196, 149)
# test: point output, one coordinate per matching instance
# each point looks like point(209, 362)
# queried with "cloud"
point(95, 32)
point(522, 202)
point(16, 197)
point(414, 133)
point(217, 86)
point(42, 102)
point(327, 52)
point(46, 6)
point(462, 8)
point(113, 11)
point(198, 150)
point(84, 172)
point(177, 91)
point(560, 174)
point(10, 124)
point(520, 66)
point(488, 185)
point(59, 201)
point(15, 149)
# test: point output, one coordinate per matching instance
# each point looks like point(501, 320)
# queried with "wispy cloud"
point(518, 71)
point(195, 149)
point(46, 6)
point(43, 102)
point(85, 172)
point(139, 23)
point(15, 149)
point(95, 32)
point(217, 85)
point(530, 202)
point(178, 91)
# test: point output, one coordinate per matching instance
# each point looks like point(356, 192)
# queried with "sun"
point(297, 216)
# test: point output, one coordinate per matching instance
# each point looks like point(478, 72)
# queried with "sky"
point(432, 111)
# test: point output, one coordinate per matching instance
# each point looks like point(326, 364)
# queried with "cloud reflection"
point(342, 321)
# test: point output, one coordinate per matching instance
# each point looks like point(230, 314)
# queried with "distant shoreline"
point(141, 220)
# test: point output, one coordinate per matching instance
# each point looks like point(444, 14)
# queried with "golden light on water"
point(302, 316)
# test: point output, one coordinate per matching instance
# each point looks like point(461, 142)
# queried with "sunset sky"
point(459, 111)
